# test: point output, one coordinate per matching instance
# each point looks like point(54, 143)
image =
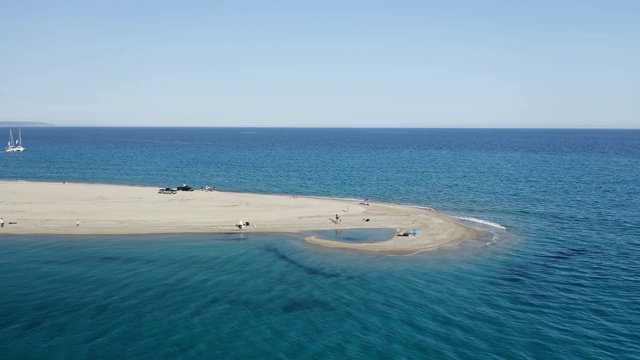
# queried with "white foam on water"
point(494, 239)
point(479, 221)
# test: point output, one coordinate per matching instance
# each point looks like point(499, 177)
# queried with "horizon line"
point(320, 127)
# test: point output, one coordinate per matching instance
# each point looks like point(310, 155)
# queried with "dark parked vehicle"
point(167, 191)
point(185, 188)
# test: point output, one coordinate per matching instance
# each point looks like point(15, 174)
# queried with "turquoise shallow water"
point(561, 282)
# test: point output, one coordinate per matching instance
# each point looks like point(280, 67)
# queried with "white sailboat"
point(19, 147)
point(11, 144)
point(15, 146)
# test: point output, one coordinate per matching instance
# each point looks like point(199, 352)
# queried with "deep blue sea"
point(557, 277)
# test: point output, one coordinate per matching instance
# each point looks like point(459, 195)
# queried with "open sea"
point(557, 275)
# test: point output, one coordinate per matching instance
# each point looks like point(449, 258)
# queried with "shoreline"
point(62, 208)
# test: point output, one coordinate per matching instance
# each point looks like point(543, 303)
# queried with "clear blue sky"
point(540, 64)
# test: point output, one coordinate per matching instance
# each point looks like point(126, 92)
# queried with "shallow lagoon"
point(354, 235)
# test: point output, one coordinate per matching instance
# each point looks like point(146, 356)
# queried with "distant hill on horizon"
point(23, 124)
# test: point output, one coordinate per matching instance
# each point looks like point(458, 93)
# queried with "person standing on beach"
point(77, 223)
point(1, 223)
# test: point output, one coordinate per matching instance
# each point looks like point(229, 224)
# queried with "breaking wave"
point(479, 221)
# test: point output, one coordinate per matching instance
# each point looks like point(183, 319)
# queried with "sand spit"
point(99, 209)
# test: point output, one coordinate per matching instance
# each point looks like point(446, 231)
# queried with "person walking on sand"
point(77, 223)
point(1, 223)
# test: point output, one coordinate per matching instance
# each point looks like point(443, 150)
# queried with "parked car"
point(167, 191)
point(185, 188)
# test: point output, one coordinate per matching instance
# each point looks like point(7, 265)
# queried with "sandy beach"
point(99, 209)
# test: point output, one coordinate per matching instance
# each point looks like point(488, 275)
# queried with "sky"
point(313, 63)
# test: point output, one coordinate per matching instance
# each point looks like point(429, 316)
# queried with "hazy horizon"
point(311, 127)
